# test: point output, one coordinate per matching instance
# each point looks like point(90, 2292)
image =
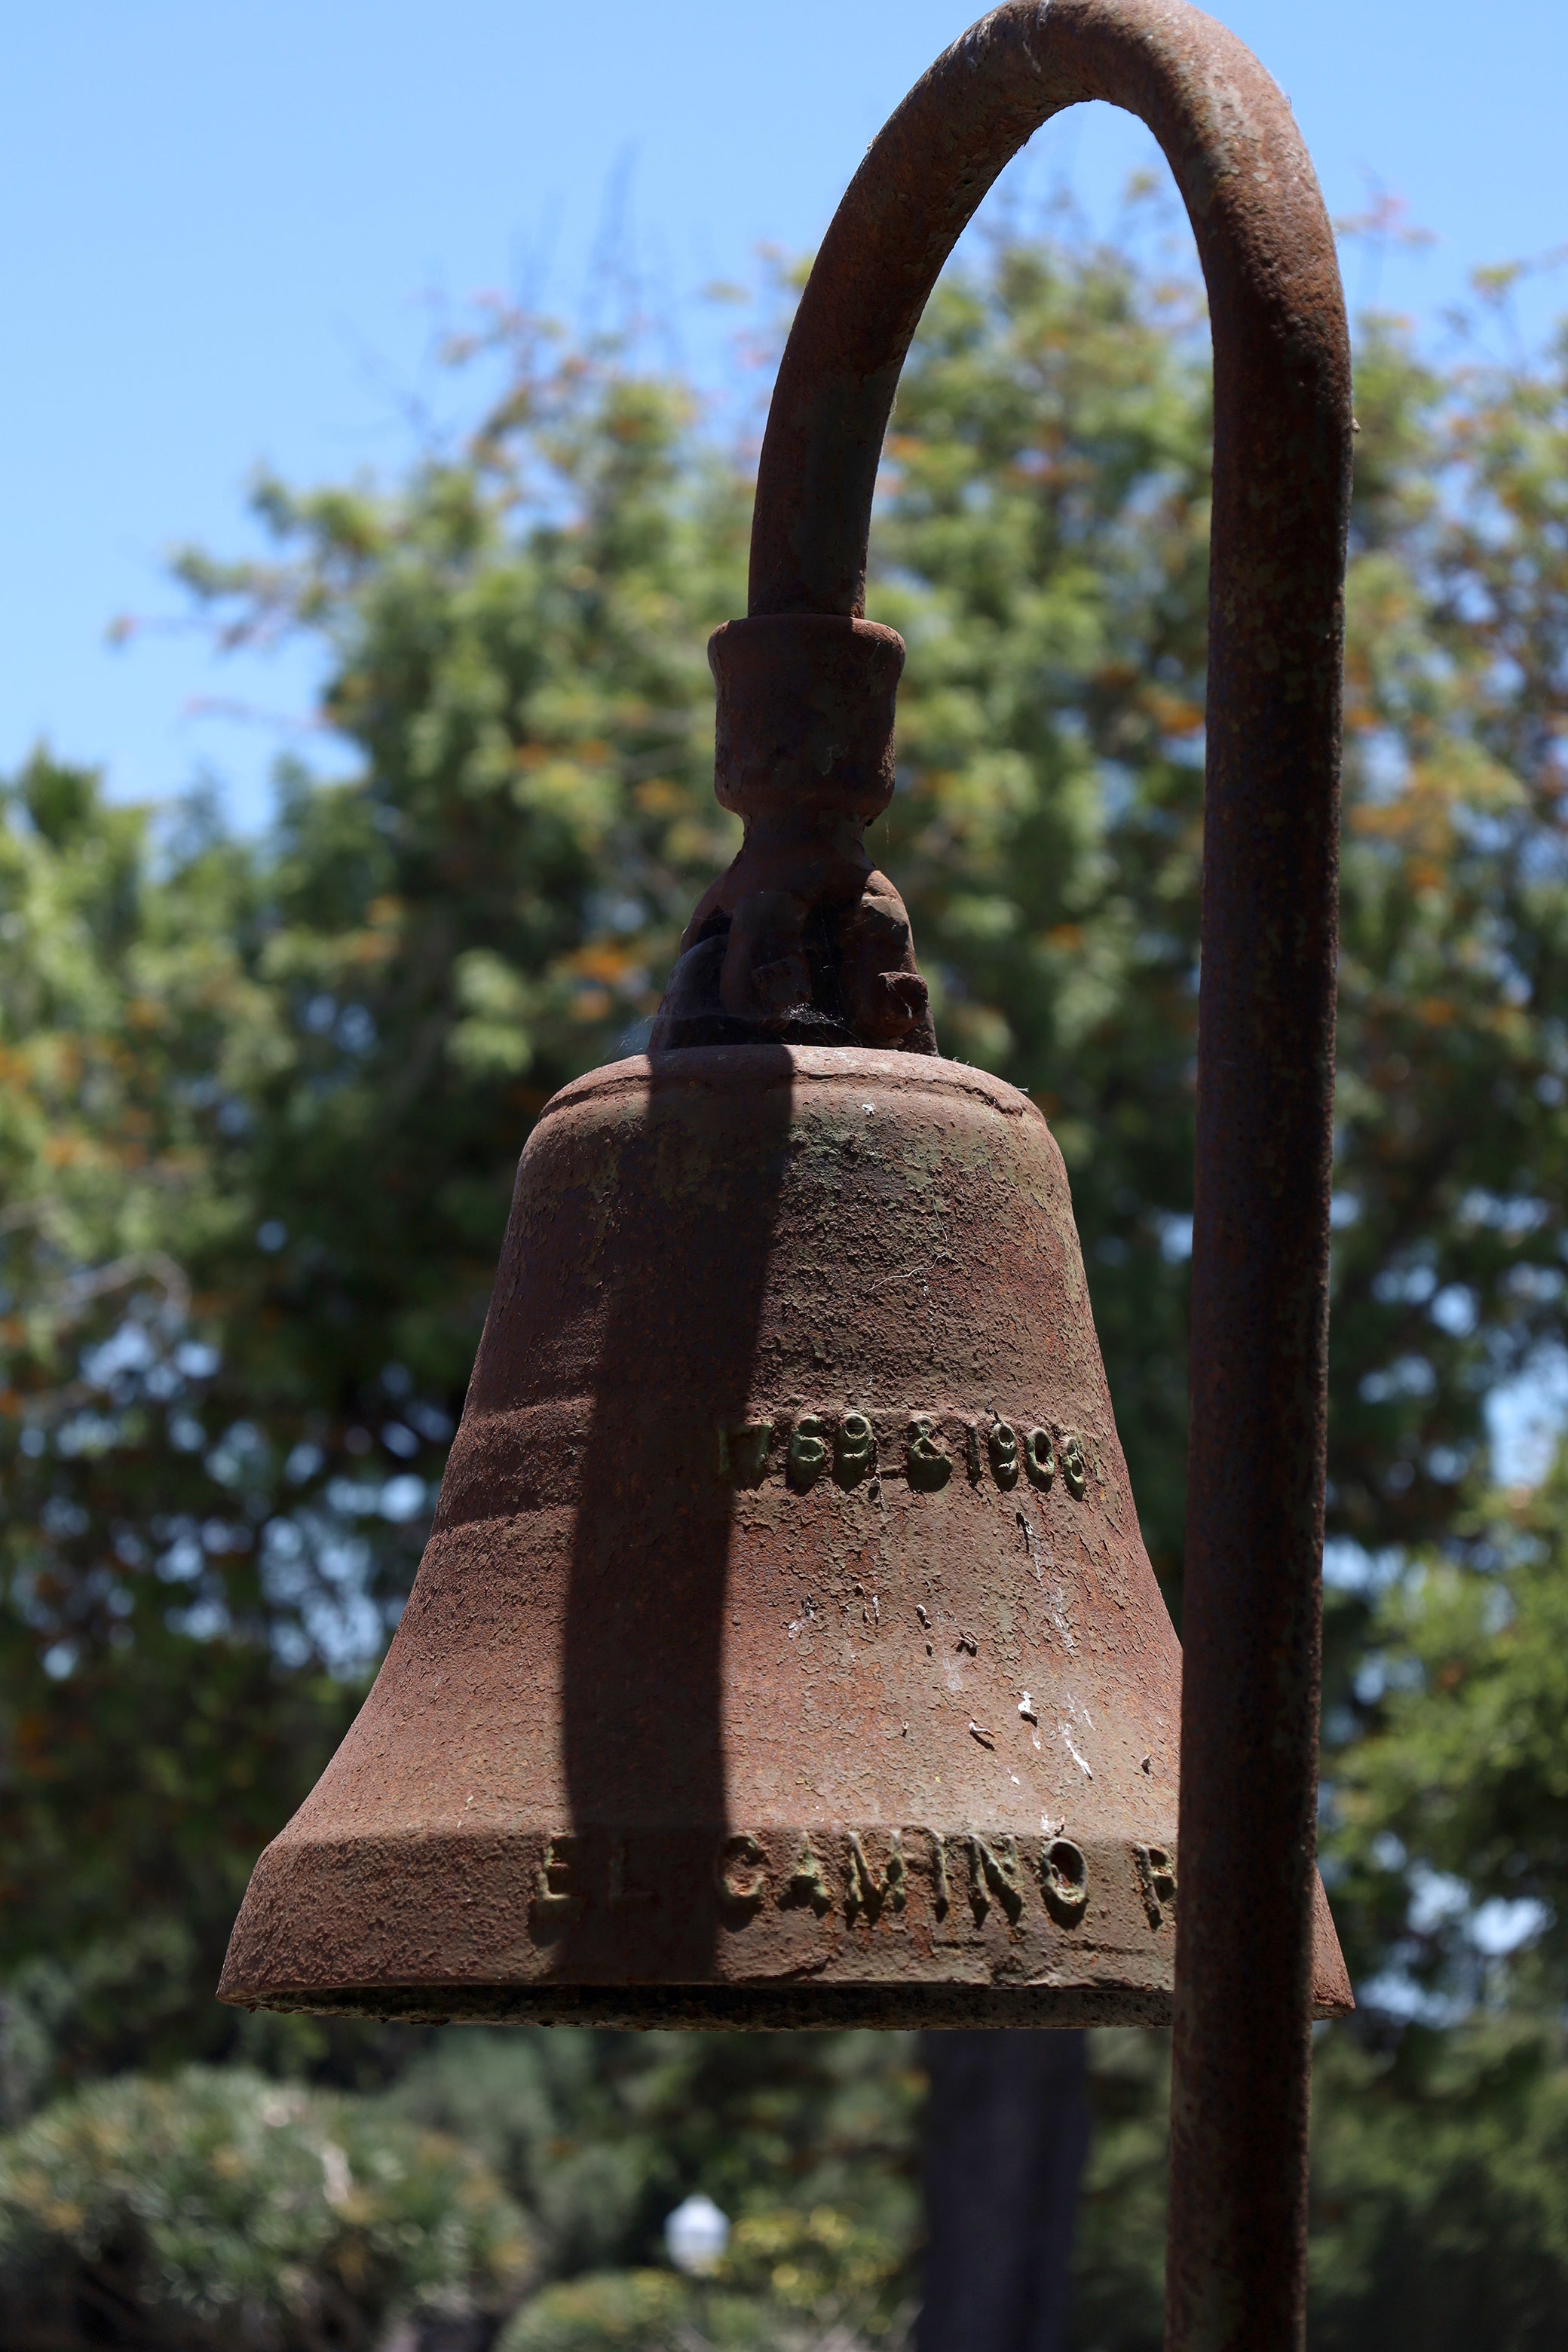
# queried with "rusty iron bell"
point(786, 1651)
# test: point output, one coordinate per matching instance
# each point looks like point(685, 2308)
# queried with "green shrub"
point(221, 2210)
point(613, 2311)
point(820, 2267)
point(790, 2281)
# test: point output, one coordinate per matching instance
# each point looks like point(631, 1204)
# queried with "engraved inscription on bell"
point(1064, 1878)
point(1002, 1445)
point(993, 1871)
point(811, 1442)
point(854, 1449)
point(807, 1453)
point(743, 1453)
point(739, 1873)
point(556, 1895)
point(808, 1880)
point(974, 1883)
point(868, 1888)
point(1157, 1879)
point(928, 1467)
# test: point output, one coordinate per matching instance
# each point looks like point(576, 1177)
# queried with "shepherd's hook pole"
point(1236, 2259)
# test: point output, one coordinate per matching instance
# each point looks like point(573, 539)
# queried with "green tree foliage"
point(219, 2209)
point(153, 1728)
point(265, 1099)
point(1458, 1787)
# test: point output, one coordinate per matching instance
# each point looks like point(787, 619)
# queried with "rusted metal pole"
point(1236, 2272)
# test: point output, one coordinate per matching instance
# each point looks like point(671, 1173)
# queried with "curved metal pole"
point(1236, 2270)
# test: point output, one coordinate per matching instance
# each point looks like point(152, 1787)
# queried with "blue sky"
point(224, 225)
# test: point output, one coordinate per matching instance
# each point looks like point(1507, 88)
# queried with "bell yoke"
point(785, 1650)
point(802, 942)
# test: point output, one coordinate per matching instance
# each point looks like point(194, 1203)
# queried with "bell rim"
point(764, 2008)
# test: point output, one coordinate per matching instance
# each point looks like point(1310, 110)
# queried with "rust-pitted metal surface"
point(786, 1630)
point(664, 1733)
